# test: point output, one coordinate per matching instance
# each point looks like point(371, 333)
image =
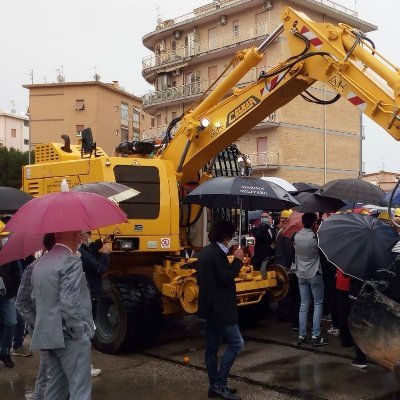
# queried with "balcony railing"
point(157, 132)
point(193, 89)
point(222, 3)
point(268, 160)
point(198, 48)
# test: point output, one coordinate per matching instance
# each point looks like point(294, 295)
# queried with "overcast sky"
point(87, 36)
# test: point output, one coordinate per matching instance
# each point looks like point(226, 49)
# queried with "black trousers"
point(343, 308)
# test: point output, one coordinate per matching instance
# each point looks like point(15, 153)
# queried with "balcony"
point(173, 95)
point(169, 60)
point(177, 94)
point(219, 5)
point(264, 160)
point(156, 132)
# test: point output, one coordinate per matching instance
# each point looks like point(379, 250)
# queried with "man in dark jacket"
point(264, 235)
point(95, 260)
point(218, 306)
point(9, 283)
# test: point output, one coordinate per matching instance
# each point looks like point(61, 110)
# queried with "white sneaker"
point(333, 331)
point(94, 371)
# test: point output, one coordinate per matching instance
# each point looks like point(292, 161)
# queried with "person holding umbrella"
point(64, 323)
point(217, 305)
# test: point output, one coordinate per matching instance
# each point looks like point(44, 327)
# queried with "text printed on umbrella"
point(252, 190)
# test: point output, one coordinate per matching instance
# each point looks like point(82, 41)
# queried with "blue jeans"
point(314, 285)
point(231, 334)
point(8, 317)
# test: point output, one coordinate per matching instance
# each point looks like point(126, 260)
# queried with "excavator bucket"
point(374, 323)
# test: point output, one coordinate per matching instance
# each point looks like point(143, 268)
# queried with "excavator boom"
point(339, 56)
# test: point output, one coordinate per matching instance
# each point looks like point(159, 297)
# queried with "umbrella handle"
point(240, 223)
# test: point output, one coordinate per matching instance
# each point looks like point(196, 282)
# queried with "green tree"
point(11, 162)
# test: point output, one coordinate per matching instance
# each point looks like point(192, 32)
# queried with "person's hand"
point(106, 249)
point(239, 254)
point(107, 239)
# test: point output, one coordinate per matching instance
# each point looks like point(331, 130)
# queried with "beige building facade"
point(14, 131)
point(299, 142)
point(384, 179)
point(113, 114)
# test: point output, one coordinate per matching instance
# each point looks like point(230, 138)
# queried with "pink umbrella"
point(20, 245)
point(65, 212)
point(292, 224)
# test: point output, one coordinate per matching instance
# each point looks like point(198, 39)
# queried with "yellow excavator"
point(150, 273)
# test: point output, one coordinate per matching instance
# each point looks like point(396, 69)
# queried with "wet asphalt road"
point(271, 367)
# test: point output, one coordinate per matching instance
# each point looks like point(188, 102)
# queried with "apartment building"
point(384, 179)
point(299, 142)
point(14, 131)
point(113, 114)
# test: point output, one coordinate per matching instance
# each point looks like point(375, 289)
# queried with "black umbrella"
point(306, 187)
point(12, 199)
point(355, 190)
point(311, 202)
point(112, 190)
point(244, 192)
point(357, 244)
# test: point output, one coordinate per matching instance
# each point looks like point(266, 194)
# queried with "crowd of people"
point(55, 296)
point(313, 281)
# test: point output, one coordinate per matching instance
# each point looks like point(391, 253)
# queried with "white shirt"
point(223, 248)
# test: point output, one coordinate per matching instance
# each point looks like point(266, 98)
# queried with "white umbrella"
point(283, 183)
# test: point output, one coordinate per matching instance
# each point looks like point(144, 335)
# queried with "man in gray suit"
point(64, 323)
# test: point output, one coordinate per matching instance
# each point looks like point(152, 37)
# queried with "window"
point(124, 134)
point(163, 82)
point(212, 39)
point(261, 23)
point(212, 74)
point(80, 128)
point(13, 133)
point(135, 119)
point(235, 28)
point(26, 122)
point(26, 142)
point(261, 145)
point(152, 122)
point(79, 105)
point(158, 120)
point(124, 109)
point(173, 46)
point(173, 116)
